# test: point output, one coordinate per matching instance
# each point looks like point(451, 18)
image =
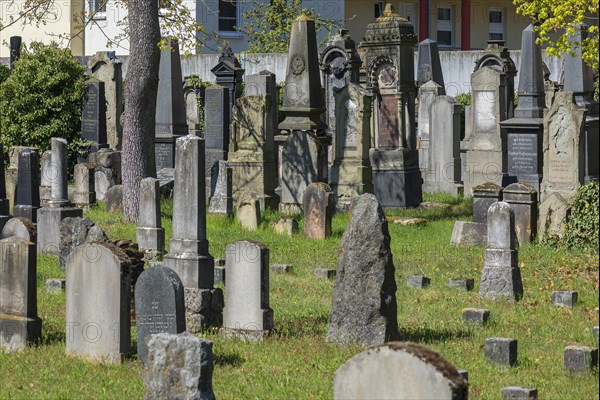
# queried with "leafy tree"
point(42, 98)
point(268, 25)
point(563, 17)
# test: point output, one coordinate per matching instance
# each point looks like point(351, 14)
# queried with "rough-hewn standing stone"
point(501, 276)
point(159, 306)
point(364, 295)
point(318, 210)
point(150, 234)
point(178, 367)
point(399, 370)
point(501, 351)
point(248, 211)
point(580, 359)
point(27, 199)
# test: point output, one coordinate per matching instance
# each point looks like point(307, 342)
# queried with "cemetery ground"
point(296, 362)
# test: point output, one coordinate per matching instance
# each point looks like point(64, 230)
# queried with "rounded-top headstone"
point(501, 226)
point(20, 227)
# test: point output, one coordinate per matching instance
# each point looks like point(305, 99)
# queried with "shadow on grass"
point(231, 358)
point(50, 338)
point(427, 335)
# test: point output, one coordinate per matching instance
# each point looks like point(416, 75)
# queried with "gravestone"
point(443, 174)
point(522, 156)
point(363, 307)
point(170, 106)
point(221, 200)
point(178, 367)
point(325, 273)
point(27, 198)
point(229, 74)
point(106, 67)
point(98, 305)
point(45, 179)
point(84, 194)
point(564, 298)
point(429, 67)
point(248, 211)
point(522, 198)
point(428, 91)
point(501, 276)
point(553, 213)
point(318, 210)
point(4, 203)
point(107, 171)
point(159, 306)
point(484, 196)
point(217, 118)
point(286, 226)
point(466, 284)
point(477, 316)
point(114, 199)
point(351, 174)
point(501, 351)
point(580, 359)
point(19, 322)
point(58, 207)
point(247, 313)
point(388, 46)
point(15, 50)
point(193, 96)
point(150, 233)
point(399, 370)
point(418, 281)
point(519, 393)
point(93, 118)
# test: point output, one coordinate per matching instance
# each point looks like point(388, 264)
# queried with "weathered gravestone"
point(229, 74)
point(178, 367)
point(4, 203)
point(501, 351)
point(247, 313)
point(93, 118)
point(221, 200)
point(519, 393)
point(114, 199)
point(46, 178)
point(318, 210)
point(552, 218)
point(75, 231)
point(193, 96)
point(399, 370)
point(19, 322)
point(248, 211)
point(501, 276)
point(580, 359)
point(107, 171)
point(217, 117)
point(27, 198)
point(150, 234)
point(522, 198)
point(428, 91)
point(84, 194)
point(429, 67)
point(159, 306)
point(98, 310)
point(364, 295)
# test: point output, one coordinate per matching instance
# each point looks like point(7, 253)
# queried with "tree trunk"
point(141, 87)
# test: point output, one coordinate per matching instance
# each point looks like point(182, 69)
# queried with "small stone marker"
point(203, 308)
point(418, 281)
point(247, 313)
point(564, 298)
point(248, 211)
point(399, 370)
point(159, 306)
point(519, 393)
point(479, 316)
point(219, 275)
point(55, 285)
point(466, 284)
point(318, 210)
point(580, 359)
point(281, 268)
point(325, 273)
point(501, 351)
point(114, 199)
point(467, 233)
point(178, 367)
point(523, 199)
point(286, 226)
point(150, 234)
point(595, 333)
point(363, 308)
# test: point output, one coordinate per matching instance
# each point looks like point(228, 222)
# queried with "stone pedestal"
point(16, 332)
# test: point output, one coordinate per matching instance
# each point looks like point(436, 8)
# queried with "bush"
point(41, 99)
point(4, 72)
point(581, 230)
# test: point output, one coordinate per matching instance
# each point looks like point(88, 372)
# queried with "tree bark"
point(141, 87)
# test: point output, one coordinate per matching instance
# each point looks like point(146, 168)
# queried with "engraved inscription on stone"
point(522, 153)
point(214, 122)
point(91, 113)
point(352, 120)
point(561, 151)
point(485, 111)
point(164, 155)
point(388, 122)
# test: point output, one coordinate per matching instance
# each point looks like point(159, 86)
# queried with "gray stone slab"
point(595, 333)
point(48, 227)
point(325, 273)
point(478, 316)
point(27, 197)
point(418, 281)
point(469, 234)
point(248, 211)
point(318, 210)
point(501, 351)
point(564, 298)
point(220, 275)
point(55, 285)
point(580, 359)
point(519, 393)
point(281, 268)
point(466, 284)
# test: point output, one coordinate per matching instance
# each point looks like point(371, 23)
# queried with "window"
point(98, 7)
point(228, 15)
point(378, 12)
point(496, 20)
point(445, 26)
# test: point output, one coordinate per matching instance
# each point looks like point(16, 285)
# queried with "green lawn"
point(295, 362)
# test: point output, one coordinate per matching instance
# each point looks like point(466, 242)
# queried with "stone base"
point(482, 166)
point(221, 205)
point(17, 332)
point(48, 227)
point(469, 234)
point(451, 188)
point(244, 334)
point(397, 178)
point(195, 271)
point(203, 308)
point(84, 199)
point(45, 195)
point(501, 283)
point(28, 212)
point(151, 239)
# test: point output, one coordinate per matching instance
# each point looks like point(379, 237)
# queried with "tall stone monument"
point(304, 158)
point(388, 46)
point(229, 74)
point(15, 50)
point(170, 106)
point(27, 199)
point(4, 203)
point(217, 118)
point(427, 94)
point(93, 118)
point(429, 67)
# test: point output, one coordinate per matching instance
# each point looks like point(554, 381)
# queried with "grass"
point(295, 362)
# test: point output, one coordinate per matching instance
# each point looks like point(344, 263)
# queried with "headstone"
point(467, 233)
point(390, 65)
point(46, 178)
point(93, 118)
point(519, 393)
point(4, 203)
point(418, 281)
point(399, 370)
point(193, 96)
point(150, 233)
point(351, 174)
point(595, 333)
point(84, 195)
point(247, 313)
point(178, 367)
point(220, 275)
point(580, 359)
point(466, 284)
point(325, 273)
point(522, 198)
point(217, 117)
point(443, 174)
point(429, 67)
point(75, 232)
point(55, 285)
point(501, 275)
point(552, 217)
point(501, 351)
point(318, 210)
point(248, 211)
point(484, 196)
point(281, 268)
point(15, 51)
point(364, 295)
point(106, 67)
point(58, 207)
point(19, 322)
point(159, 306)
point(27, 199)
point(428, 91)
point(229, 74)
point(107, 171)
point(98, 316)
point(114, 199)
point(204, 307)
point(170, 106)
point(477, 316)
point(564, 298)
point(492, 91)
point(286, 226)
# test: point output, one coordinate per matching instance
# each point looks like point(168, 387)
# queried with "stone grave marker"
point(478, 316)
point(150, 233)
point(45, 178)
point(552, 216)
point(519, 393)
point(27, 198)
point(318, 210)
point(325, 273)
point(4, 202)
point(229, 74)
point(248, 211)
point(580, 359)
point(217, 117)
point(107, 171)
point(523, 199)
point(93, 118)
point(221, 200)
point(429, 67)
point(428, 91)
point(564, 298)
point(501, 351)
point(418, 281)
point(84, 195)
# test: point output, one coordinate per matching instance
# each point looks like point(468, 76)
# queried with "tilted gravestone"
point(247, 313)
point(27, 199)
point(98, 304)
point(364, 306)
point(150, 233)
point(399, 370)
point(159, 306)
point(501, 276)
point(318, 210)
point(19, 322)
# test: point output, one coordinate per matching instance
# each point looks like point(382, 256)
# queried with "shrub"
point(581, 230)
point(4, 72)
point(42, 98)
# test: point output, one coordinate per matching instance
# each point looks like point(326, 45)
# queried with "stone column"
point(150, 234)
point(59, 173)
point(28, 187)
point(45, 185)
